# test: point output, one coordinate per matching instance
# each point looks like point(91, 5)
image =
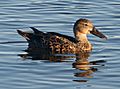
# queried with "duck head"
point(82, 27)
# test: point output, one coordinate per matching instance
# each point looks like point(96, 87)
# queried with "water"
point(58, 16)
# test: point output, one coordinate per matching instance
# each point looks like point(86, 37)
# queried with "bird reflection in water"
point(45, 55)
point(84, 67)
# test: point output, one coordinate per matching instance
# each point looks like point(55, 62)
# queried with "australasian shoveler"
point(59, 43)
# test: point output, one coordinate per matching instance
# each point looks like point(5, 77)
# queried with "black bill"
point(97, 33)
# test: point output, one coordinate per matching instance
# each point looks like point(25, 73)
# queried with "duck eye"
point(85, 24)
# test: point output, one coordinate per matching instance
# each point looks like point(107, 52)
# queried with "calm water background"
point(58, 16)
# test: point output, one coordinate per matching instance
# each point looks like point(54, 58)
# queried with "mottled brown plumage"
point(53, 42)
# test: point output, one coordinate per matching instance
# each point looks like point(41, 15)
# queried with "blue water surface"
point(58, 16)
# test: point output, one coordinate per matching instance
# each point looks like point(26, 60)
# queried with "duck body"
point(53, 42)
point(56, 43)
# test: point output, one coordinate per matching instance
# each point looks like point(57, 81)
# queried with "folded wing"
point(50, 41)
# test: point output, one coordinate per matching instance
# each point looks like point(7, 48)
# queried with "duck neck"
point(83, 43)
point(82, 38)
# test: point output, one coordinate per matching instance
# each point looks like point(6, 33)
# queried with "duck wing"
point(35, 41)
point(52, 41)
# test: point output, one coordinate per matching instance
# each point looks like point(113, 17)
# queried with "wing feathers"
point(36, 31)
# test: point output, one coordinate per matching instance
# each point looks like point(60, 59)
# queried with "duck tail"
point(24, 34)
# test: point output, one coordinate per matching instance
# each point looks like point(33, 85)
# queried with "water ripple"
point(58, 16)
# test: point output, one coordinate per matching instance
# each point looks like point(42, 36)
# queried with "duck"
point(57, 43)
